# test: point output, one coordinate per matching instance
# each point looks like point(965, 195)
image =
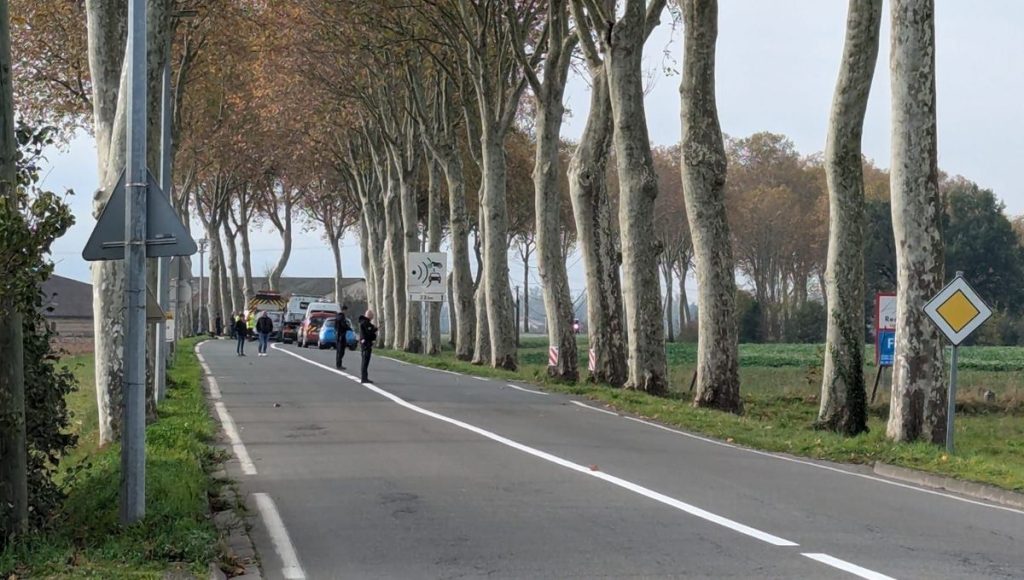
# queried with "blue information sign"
point(885, 347)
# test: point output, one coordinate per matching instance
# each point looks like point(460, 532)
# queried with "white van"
point(332, 307)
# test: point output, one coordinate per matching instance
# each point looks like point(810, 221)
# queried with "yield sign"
point(957, 310)
point(165, 234)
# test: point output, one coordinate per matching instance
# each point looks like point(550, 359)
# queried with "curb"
point(239, 559)
point(968, 488)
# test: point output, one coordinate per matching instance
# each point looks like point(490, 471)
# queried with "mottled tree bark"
point(107, 24)
point(413, 319)
point(238, 300)
point(396, 257)
point(918, 404)
point(284, 227)
point(462, 277)
point(495, 226)
point(703, 170)
point(666, 271)
point(482, 344)
point(597, 237)
point(434, 209)
point(843, 398)
point(648, 370)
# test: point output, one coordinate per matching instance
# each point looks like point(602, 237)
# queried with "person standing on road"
point(219, 325)
point(241, 329)
point(368, 336)
point(342, 325)
point(264, 326)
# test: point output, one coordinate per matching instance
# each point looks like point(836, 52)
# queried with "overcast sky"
point(777, 64)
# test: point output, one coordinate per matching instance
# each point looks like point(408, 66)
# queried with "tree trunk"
point(597, 238)
point(648, 370)
point(495, 226)
point(482, 344)
point(434, 245)
point(364, 254)
point(238, 299)
point(107, 23)
point(703, 170)
point(452, 322)
point(286, 239)
point(918, 405)
point(396, 255)
point(526, 288)
point(13, 436)
point(666, 270)
point(410, 220)
point(224, 303)
point(462, 277)
point(682, 268)
point(248, 287)
point(843, 399)
point(336, 252)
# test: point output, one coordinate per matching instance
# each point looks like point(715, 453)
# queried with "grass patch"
point(86, 540)
point(781, 403)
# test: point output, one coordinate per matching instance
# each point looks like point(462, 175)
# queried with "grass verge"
point(86, 540)
point(778, 417)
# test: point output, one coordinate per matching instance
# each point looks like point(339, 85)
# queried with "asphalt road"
point(429, 474)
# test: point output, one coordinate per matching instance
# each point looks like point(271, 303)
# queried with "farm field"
point(781, 385)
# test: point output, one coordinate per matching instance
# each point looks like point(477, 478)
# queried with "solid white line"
point(526, 390)
point(848, 567)
point(214, 387)
point(248, 467)
point(585, 406)
point(617, 481)
point(482, 379)
point(828, 467)
point(291, 569)
point(421, 366)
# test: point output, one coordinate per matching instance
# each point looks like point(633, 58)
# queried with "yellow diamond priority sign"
point(957, 310)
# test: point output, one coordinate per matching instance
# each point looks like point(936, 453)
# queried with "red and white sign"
point(885, 311)
point(553, 356)
point(593, 361)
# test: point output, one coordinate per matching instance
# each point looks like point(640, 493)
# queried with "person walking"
point(264, 326)
point(368, 336)
point(241, 329)
point(342, 325)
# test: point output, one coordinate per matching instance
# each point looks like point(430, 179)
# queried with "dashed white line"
point(848, 567)
point(248, 467)
point(482, 379)
point(291, 569)
point(617, 481)
point(585, 406)
point(526, 390)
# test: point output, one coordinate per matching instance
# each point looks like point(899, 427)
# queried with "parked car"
point(328, 334)
point(290, 331)
point(309, 333)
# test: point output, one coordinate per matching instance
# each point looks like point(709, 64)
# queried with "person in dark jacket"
point(241, 329)
point(219, 325)
point(264, 326)
point(341, 326)
point(367, 336)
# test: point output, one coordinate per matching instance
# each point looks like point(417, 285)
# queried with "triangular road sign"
point(165, 234)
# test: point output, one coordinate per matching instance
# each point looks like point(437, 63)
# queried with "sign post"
point(957, 311)
point(885, 335)
point(428, 276)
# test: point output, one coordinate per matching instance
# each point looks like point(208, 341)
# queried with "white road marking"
point(585, 406)
point(291, 568)
point(248, 467)
point(827, 467)
point(482, 379)
point(848, 567)
point(617, 481)
point(422, 367)
point(526, 390)
point(214, 387)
